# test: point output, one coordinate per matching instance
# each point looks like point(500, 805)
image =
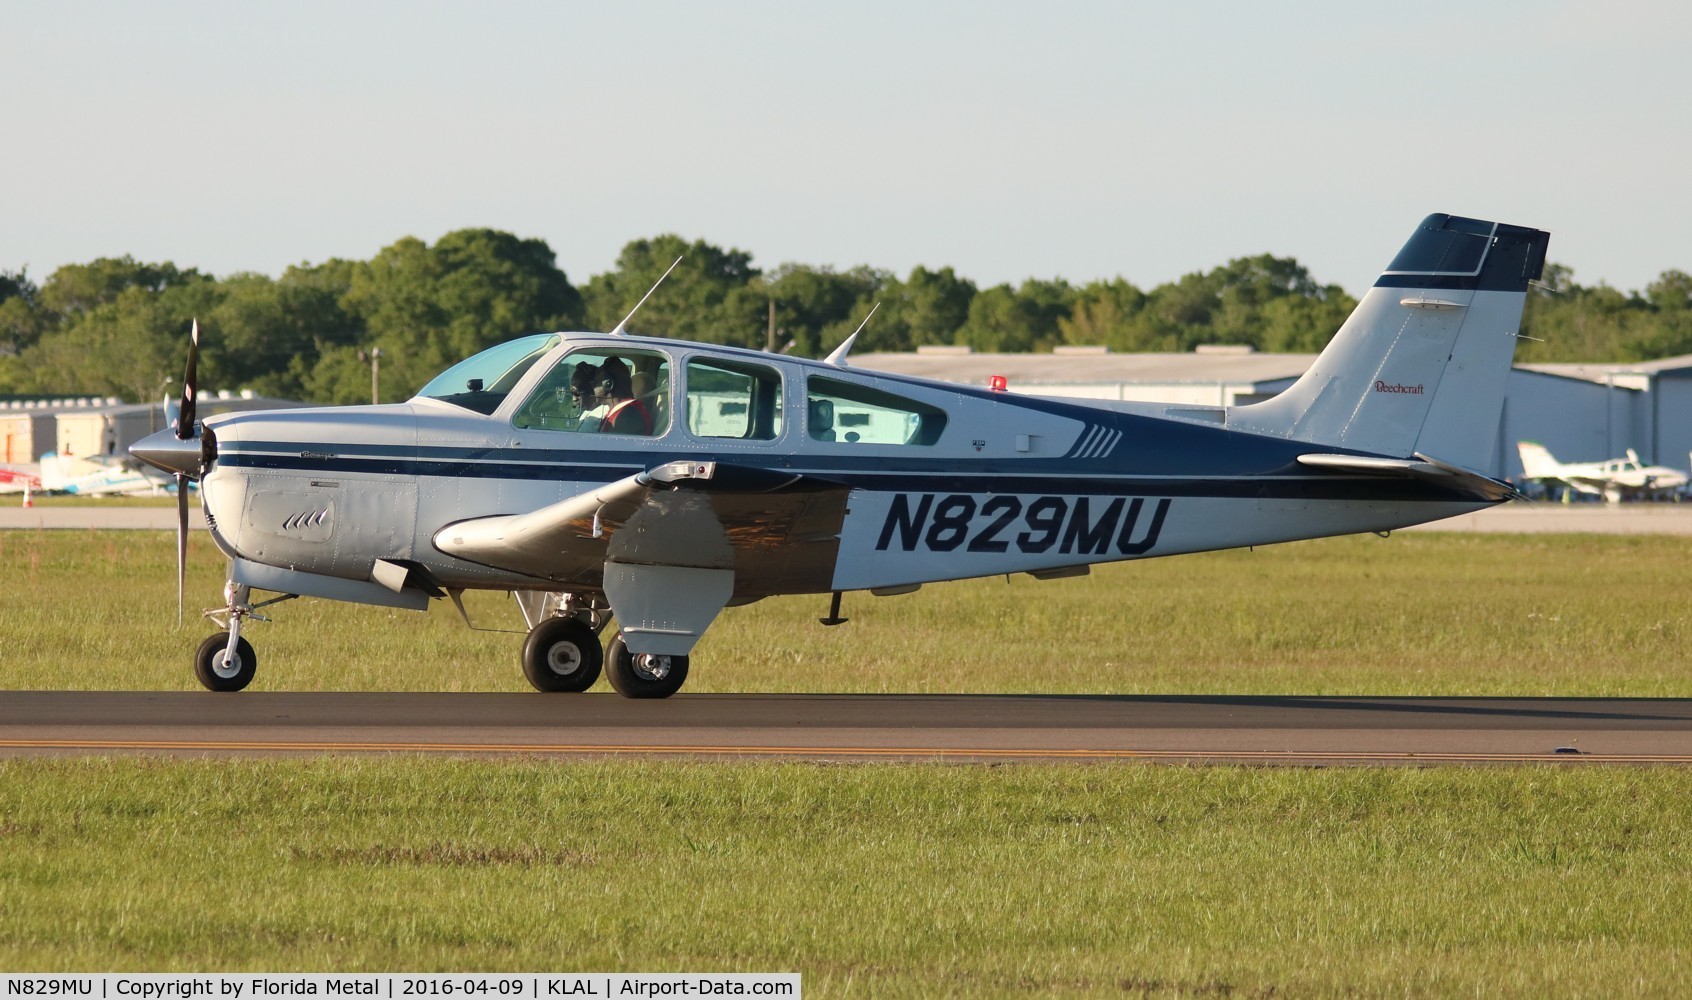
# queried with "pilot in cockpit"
point(605, 397)
point(625, 414)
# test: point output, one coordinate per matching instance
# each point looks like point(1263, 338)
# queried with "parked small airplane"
point(1614, 479)
point(19, 478)
point(656, 481)
point(101, 476)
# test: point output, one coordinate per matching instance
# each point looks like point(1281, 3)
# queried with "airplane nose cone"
point(164, 450)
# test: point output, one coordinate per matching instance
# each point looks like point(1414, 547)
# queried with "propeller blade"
point(185, 413)
point(181, 544)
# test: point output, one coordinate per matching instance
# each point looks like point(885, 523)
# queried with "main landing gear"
point(644, 675)
point(563, 652)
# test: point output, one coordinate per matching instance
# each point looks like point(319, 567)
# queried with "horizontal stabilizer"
point(1420, 467)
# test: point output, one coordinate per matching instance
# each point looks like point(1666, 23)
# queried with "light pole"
point(374, 357)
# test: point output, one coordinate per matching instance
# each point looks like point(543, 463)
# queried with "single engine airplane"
point(602, 475)
point(100, 476)
point(1614, 479)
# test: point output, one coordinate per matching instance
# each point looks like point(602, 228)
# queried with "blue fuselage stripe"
point(1313, 486)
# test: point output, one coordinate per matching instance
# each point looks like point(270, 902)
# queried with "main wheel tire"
point(562, 654)
point(214, 670)
point(653, 676)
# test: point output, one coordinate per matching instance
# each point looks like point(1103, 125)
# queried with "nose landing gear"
point(226, 661)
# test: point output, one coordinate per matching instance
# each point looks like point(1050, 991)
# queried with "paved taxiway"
point(1291, 730)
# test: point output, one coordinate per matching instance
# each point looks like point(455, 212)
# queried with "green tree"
point(77, 288)
point(1105, 313)
point(1025, 319)
point(929, 307)
point(709, 297)
point(128, 347)
point(269, 334)
point(816, 307)
point(429, 307)
point(22, 318)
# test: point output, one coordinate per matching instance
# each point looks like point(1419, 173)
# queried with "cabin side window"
point(733, 399)
point(850, 413)
point(598, 391)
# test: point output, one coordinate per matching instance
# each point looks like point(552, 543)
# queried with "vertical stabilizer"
point(1537, 461)
point(1421, 364)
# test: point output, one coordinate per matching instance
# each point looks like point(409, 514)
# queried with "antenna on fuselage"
point(617, 331)
point(838, 358)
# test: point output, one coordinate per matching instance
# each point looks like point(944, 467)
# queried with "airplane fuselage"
point(1010, 483)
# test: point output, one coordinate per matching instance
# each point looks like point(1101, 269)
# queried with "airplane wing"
point(776, 531)
point(1584, 484)
point(1420, 467)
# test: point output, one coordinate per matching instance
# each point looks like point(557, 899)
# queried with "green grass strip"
point(1414, 614)
point(905, 880)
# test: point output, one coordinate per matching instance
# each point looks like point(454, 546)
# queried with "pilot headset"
point(587, 383)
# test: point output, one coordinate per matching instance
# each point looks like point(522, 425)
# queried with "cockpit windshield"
point(481, 382)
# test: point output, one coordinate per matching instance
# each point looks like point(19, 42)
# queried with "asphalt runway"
point(969, 728)
point(1243, 729)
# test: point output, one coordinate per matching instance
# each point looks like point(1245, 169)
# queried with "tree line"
point(117, 326)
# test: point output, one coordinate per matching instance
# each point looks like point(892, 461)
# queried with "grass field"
point(1428, 614)
point(894, 880)
point(871, 881)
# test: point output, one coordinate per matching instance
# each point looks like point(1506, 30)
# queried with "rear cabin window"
point(733, 399)
point(850, 413)
point(601, 392)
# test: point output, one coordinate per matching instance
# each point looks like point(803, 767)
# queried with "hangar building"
point(95, 426)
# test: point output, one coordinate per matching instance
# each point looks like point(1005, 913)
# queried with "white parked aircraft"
point(1614, 479)
point(656, 481)
point(101, 476)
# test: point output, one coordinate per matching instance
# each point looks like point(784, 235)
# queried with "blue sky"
point(1009, 140)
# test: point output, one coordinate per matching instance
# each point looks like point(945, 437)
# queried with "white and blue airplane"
point(1614, 479)
point(601, 476)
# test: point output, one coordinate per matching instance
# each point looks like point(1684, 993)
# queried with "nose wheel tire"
point(216, 671)
point(562, 654)
point(644, 676)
